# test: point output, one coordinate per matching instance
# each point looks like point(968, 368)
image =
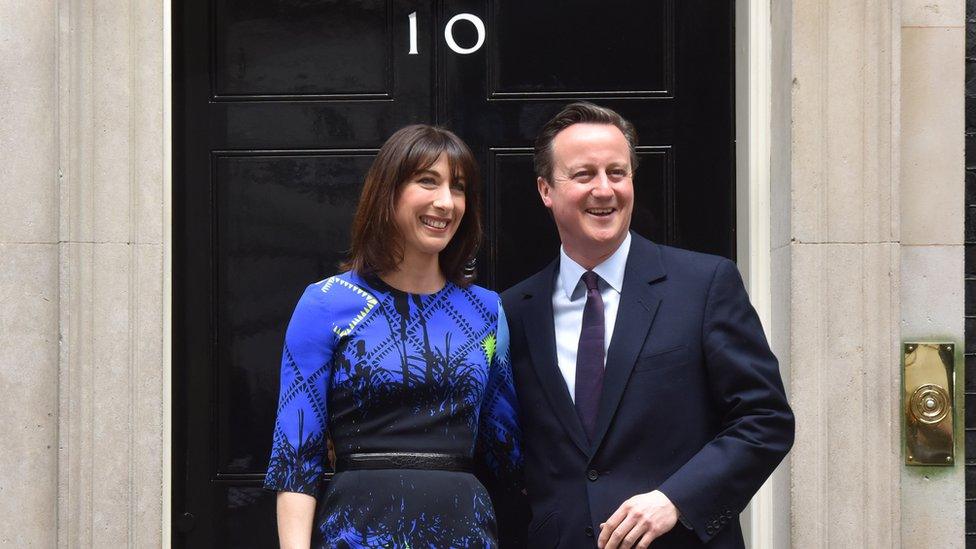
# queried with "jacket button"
point(592, 474)
point(588, 531)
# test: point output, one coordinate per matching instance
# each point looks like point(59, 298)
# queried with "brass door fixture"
point(928, 403)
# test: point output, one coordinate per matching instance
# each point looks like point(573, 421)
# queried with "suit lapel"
point(540, 337)
point(639, 302)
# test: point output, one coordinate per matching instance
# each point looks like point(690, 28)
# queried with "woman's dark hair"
point(376, 244)
point(579, 113)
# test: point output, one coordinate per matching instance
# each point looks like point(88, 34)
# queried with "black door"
point(279, 106)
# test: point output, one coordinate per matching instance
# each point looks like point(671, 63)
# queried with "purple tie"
point(589, 356)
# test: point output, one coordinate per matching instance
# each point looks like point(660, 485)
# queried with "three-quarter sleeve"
point(298, 454)
point(498, 433)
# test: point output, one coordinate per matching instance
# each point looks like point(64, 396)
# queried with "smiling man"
point(647, 390)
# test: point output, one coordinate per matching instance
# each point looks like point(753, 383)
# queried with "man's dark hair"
point(377, 245)
point(579, 113)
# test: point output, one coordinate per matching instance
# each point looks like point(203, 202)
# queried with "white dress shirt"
point(569, 298)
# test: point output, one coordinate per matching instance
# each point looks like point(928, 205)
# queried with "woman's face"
point(429, 209)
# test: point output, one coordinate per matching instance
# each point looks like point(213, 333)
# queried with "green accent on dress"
point(488, 346)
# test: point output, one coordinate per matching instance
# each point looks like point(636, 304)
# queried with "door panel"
point(279, 108)
point(279, 218)
point(288, 48)
point(631, 40)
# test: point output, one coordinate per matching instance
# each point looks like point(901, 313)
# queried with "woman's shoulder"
point(341, 301)
point(483, 296)
point(482, 293)
point(338, 292)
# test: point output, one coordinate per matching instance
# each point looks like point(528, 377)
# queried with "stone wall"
point(932, 200)
point(867, 232)
point(111, 145)
point(81, 228)
point(29, 277)
point(835, 262)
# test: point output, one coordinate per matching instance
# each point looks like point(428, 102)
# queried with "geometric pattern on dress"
point(307, 387)
point(368, 302)
point(457, 319)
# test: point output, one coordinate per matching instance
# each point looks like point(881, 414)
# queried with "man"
point(648, 394)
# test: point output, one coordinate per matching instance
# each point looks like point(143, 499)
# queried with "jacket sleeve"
point(298, 451)
point(756, 423)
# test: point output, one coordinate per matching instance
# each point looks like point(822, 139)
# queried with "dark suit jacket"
point(692, 405)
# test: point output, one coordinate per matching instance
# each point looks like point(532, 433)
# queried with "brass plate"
point(928, 403)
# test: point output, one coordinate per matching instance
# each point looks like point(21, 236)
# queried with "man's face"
point(592, 193)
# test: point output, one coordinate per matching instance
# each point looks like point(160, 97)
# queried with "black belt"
point(404, 460)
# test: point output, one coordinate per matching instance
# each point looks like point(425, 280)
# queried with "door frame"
point(753, 96)
point(167, 506)
point(753, 126)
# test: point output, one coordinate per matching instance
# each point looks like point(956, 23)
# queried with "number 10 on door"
point(479, 27)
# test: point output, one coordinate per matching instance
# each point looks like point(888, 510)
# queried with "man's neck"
point(589, 259)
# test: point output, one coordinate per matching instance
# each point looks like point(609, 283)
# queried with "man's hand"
point(638, 521)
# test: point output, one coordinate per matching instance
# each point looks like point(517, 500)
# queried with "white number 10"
point(479, 27)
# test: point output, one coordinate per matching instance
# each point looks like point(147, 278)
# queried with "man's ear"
point(544, 190)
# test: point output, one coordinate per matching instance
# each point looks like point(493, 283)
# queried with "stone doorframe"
point(111, 112)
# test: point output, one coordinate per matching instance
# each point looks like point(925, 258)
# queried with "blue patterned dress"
point(380, 370)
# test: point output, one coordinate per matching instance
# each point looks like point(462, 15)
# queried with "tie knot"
point(590, 279)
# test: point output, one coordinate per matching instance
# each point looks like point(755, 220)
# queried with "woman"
point(403, 364)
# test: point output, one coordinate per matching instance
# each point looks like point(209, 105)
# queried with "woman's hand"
point(295, 514)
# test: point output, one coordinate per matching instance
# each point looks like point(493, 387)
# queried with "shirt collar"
point(611, 270)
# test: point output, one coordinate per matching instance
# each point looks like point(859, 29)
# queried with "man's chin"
point(606, 238)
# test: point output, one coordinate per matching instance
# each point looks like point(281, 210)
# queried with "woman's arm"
point(499, 436)
point(295, 514)
point(499, 443)
point(298, 449)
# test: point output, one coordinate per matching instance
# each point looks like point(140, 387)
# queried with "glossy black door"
point(279, 107)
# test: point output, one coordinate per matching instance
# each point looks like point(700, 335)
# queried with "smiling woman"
point(428, 211)
point(403, 364)
point(401, 186)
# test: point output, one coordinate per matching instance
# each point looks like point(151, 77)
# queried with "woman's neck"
point(416, 274)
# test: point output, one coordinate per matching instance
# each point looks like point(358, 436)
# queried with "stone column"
point(111, 153)
point(28, 274)
point(932, 202)
point(836, 257)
